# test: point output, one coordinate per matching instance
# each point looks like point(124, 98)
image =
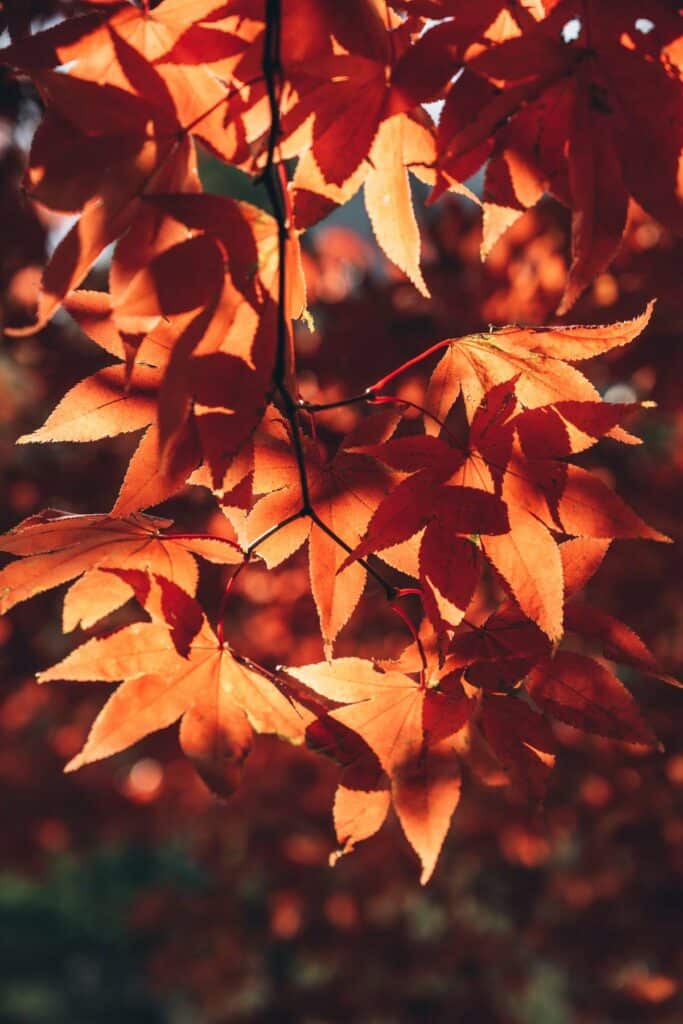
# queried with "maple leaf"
point(617, 641)
point(248, 236)
point(508, 650)
point(91, 597)
point(202, 294)
point(56, 547)
point(537, 357)
point(214, 366)
point(138, 145)
point(117, 400)
point(344, 490)
point(579, 691)
point(567, 116)
point(117, 148)
point(141, 51)
point(580, 560)
point(342, 90)
point(423, 500)
point(565, 497)
point(409, 729)
point(522, 740)
point(403, 144)
point(217, 738)
point(170, 672)
point(506, 635)
point(219, 373)
point(437, 497)
point(335, 65)
point(498, 654)
point(102, 405)
point(516, 556)
point(450, 567)
point(511, 485)
point(432, 61)
point(546, 495)
point(225, 36)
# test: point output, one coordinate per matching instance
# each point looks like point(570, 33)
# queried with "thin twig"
point(416, 639)
point(273, 530)
point(223, 604)
point(367, 396)
point(389, 590)
point(272, 179)
point(394, 400)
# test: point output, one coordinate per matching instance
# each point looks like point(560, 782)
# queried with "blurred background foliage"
point(128, 893)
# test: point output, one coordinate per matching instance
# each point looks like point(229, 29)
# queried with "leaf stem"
point(416, 639)
point(388, 589)
point(224, 601)
point(375, 388)
point(366, 396)
point(388, 399)
point(273, 530)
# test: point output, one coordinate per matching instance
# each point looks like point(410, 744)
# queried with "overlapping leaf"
point(55, 547)
point(540, 358)
point(409, 730)
point(167, 673)
point(403, 144)
point(344, 491)
point(563, 104)
point(198, 315)
point(508, 482)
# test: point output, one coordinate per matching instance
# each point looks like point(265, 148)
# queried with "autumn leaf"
point(581, 692)
point(91, 597)
point(581, 558)
point(159, 685)
point(408, 728)
point(521, 739)
point(465, 481)
point(140, 146)
point(109, 402)
point(617, 641)
point(217, 739)
point(516, 556)
point(508, 482)
point(137, 162)
point(567, 116)
point(537, 357)
point(450, 567)
point(505, 635)
point(342, 92)
point(55, 547)
point(344, 490)
point(403, 144)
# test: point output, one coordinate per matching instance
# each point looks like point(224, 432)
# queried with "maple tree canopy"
point(476, 509)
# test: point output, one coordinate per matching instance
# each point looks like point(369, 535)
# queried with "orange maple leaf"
point(56, 547)
point(409, 728)
point(171, 671)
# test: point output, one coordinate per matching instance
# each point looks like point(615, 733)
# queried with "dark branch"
point(274, 182)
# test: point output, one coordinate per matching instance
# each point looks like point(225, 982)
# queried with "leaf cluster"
point(479, 502)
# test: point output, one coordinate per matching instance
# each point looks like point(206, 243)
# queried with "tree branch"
point(275, 183)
